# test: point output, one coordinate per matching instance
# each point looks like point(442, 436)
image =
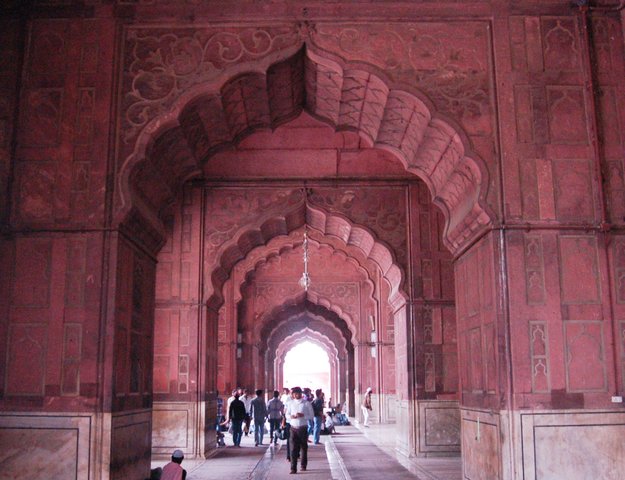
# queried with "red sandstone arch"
point(286, 321)
point(172, 148)
point(278, 246)
point(298, 304)
point(285, 245)
point(275, 224)
point(315, 338)
point(290, 321)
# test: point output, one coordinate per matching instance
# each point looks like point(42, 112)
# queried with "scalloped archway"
point(328, 328)
point(277, 246)
point(282, 223)
point(207, 118)
point(316, 338)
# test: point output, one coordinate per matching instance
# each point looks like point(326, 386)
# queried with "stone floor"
point(353, 453)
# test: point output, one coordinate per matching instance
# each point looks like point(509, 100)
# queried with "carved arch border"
point(334, 225)
point(277, 246)
point(291, 341)
point(346, 95)
point(298, 306)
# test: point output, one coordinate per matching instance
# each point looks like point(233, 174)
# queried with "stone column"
point(77, 308)
point(435, 373)
point(539, 329)
point(180, 330)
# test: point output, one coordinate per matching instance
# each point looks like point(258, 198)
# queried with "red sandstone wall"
point(548, 142)
point(59, 176)
point(564, 339)
point(134, 328)
point(53, 322)
point(434, 317)
point(562, 318)
point(177, 296)
point(62, 155)
point(10, 34)
point(481, 334)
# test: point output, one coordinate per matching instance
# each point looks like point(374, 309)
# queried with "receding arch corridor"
point(352, 453)
point(308, 364)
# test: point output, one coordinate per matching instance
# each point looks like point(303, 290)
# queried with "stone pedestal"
point(543, 444)
point(439, 428)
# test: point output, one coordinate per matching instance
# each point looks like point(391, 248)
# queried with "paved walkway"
point(353, 453)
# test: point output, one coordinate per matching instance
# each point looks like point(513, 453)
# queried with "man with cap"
point(173, 470)
point(366, 407)
point(299, 412)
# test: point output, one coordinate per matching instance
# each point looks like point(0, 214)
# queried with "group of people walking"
point(294, 416)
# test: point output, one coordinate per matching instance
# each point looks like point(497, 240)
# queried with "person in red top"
point(173, 470)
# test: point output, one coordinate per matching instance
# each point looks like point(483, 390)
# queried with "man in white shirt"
point(286, 395)
point(299, 412)
point(247, 400)
point(286, 424)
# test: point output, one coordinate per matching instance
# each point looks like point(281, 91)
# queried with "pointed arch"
point(337, 376)
point(349, 96)
point(281, 224)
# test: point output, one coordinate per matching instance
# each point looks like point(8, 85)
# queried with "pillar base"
point(571, 444)
point(38, 445)
point(439, 428)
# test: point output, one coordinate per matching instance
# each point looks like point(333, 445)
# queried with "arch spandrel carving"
point(396, 120)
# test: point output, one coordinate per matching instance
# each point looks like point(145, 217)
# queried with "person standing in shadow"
point(259, 413)
point(237, 417)
point(274, 411)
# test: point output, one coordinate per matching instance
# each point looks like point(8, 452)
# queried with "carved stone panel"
point(585, 356)
point(539, 353)
point(534, 270)
point(567, 115)
point(560, 45)
point(447, 61)
point(619, 269)
point(160, 64)
point(72, 356)
point(41, 125)
point(578, 259)
point(76, 273)
point(26, 359)
point(33, 267)
point(574, 191)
